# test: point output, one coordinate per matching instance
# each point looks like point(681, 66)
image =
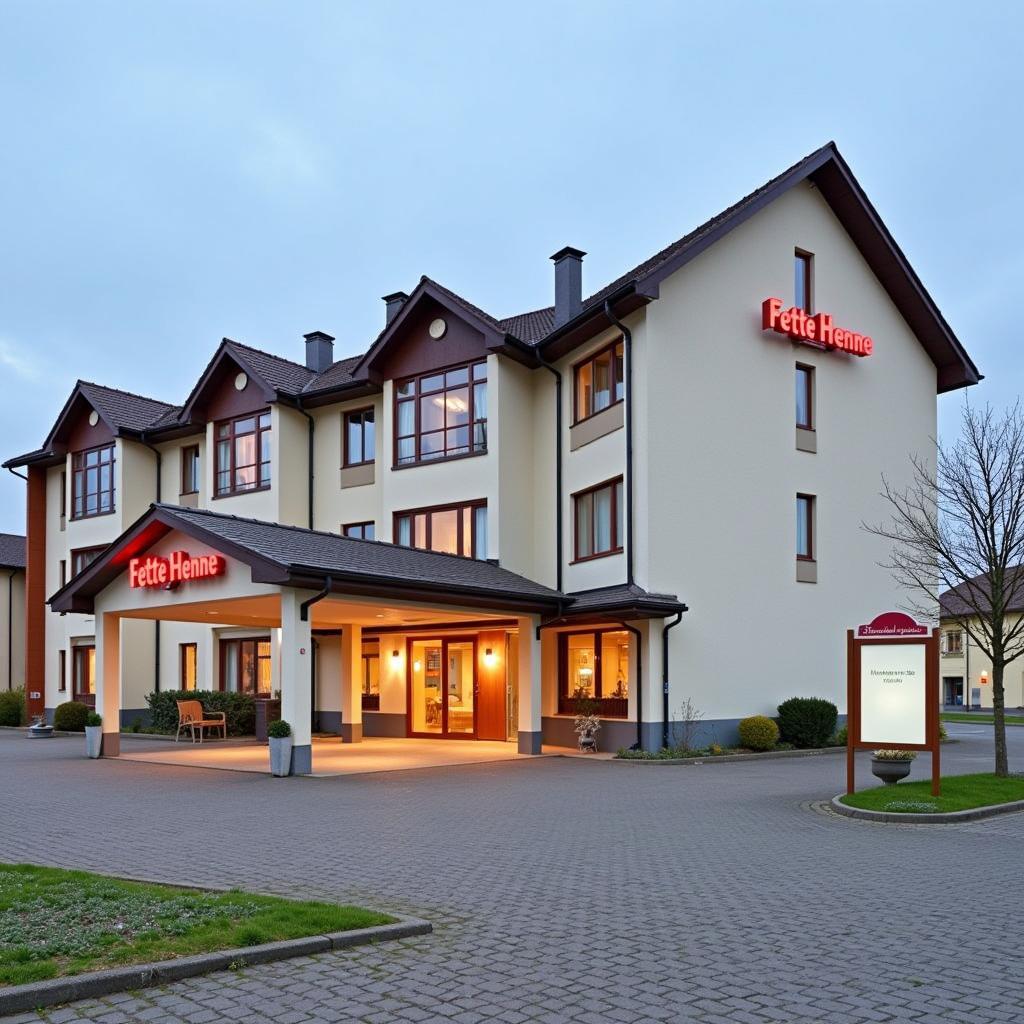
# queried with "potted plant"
point(39, 729)
point(279, 736)
point(891, 765)
point(93, 734)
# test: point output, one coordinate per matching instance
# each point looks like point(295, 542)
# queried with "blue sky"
point(175, 172)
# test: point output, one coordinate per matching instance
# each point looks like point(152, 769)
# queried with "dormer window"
point(441, 415)
point(243, 454)
point(92, 482)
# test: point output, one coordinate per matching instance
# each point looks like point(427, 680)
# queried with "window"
point(243, 454)
point(190, 469)
point(188, 660)
point(63, 571)
point(63, 493)
point(83, 671)
point(599, 382)
point(92, 482)
point(598, 520)
point(361, 531)
point(452, 529)
point(371, 676)
point(805, 527)
point(360, 442)
point(953, 642)
point(62, 671)
point(805, 396)
point(82, 558)
point(802, 280)
point(245, 666)
point(441, 415)
point(594, 667)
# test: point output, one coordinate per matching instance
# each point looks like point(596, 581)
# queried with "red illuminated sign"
point(818, 329)
point(179, 567)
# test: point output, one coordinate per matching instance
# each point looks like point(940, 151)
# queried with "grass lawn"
point(959, 793)
point(963, 716)
point(55, 922)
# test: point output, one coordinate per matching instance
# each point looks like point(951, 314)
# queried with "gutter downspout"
point(627, 337)
point(14, 472)
point(666, 626)
point(304, 617)
point(10, 629)
point(156, 625)
point(309, 456)
point(558, 468)
point(639, 745)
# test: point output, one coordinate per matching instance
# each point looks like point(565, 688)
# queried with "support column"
point(530, 689)
point(351, 684)
point(108, 680)
point(35, 593)
point(296, 662)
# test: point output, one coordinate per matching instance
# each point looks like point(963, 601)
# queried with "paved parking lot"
point(560, 890)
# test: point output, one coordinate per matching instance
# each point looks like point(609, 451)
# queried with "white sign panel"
point(893, 704)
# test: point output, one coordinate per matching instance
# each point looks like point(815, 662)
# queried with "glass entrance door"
point(442, 688)
point(83, 674)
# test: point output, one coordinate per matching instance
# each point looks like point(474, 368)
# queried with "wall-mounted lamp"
point(394, 654)
point(416, 665)
point(984, 678)
point(489, 658)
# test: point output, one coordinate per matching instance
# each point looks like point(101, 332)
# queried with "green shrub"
point(279, 729)
point(943, 735)
point(92, 720)
point(839, 740)
point(807, 721)
point(758, 733)
point(240, 709)
point(12, 707)
point(71, 716)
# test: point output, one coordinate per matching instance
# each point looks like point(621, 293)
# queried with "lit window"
point(243, 454)
point(599, 382)
point(189, 659)
point(245, 666)
point(805, 396)
point(441, 415)
point(371, 676)
point(92, 482)
point(802, 263)
point(598, 520)
point(805, 527)
point(452, 529)
point(360, 442)
point(594, 670)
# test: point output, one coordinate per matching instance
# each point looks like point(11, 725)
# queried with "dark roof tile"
point(12, 551)
point(122, 409)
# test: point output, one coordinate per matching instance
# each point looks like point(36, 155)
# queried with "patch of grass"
point(56, 923)
point(964, 716)
point(959, 793)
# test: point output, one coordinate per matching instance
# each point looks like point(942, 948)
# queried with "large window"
point(92, 482)
point(803, 264)
point(245, 666)
point(452, 529)
point(360, 441)
point(243, 454)
point(805, 396)
point(597, 514)
point(190, 469)
point(371, 675)
point(441, 415)
point(594, 669)
point(598, 382)
point(82, 558)
point(805, 527)
point(188, 662)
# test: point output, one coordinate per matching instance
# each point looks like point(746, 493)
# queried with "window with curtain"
point(598, 520)
point(188, 657)
point(245, 666)
point(243, 454)
point(441, 415)
point(599, 382)
point(92, 482)
point(371, 675)
point(594, 670)
point(190, 469)
point(451, 529)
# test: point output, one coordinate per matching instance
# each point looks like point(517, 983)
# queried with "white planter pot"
point(280, 755)
point(93, 740)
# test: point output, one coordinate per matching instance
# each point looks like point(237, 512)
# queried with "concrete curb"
point(769, 755)
point(945, 818)
point(125, 979)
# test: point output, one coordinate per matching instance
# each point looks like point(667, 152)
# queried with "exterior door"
point(83, 672)
point(492, 699)
point(442, 687)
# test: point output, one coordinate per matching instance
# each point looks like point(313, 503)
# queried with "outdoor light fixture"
point(489, 656)
point(394, 653)
point(984, 677)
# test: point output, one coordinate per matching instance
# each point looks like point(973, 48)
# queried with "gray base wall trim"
point(329, 721)
point(612, 736)
point(302, 759)
point(384, 724)
point(530, 742)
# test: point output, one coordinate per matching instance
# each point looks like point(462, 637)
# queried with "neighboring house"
point(965, 669)
point(12, 611)
point(513, 512)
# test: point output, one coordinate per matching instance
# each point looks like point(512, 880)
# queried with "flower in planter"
point(893, 755)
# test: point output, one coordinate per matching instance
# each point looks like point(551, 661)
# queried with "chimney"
point(319, 351)
point(568, 283)
point(393, 303)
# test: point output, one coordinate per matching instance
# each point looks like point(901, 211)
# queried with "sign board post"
point(892, 689)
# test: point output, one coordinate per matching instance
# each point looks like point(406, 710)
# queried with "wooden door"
point(491, 710)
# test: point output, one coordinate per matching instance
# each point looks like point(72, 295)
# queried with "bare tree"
point(960, 526)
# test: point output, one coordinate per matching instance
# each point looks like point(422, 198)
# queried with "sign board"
point(892, 689)
point(178, 567)
point(813, 329)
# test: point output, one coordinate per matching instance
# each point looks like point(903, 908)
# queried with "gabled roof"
point(12, 551)
point(962, 600)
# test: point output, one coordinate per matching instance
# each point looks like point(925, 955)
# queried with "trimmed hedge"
point(70, 716)
point(758, 733)
point(240, 709)
point(12, 707)
point(807, 721)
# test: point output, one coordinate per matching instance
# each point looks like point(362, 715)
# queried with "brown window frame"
point(808, 375)
point(183, 649)
point(347, 527)
point(346, 420)
point(617, 360)
point(608, 707)
point(370, 701)
point(429, 511)
point(77, 553)
point(809, 555)
point(187, 453)
point(617, 542)
point(803, 265)
point(63, 494)
point(80, 664)
point(63, 571)
point(263, 483)
point(62, 671)
point(80, 471)
point(226, 642)
point(474, 447)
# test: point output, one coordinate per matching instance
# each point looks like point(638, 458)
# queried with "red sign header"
point(818, 329)
point(179, 567)
point(892, 624)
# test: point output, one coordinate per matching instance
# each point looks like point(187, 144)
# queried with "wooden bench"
point(192, 716)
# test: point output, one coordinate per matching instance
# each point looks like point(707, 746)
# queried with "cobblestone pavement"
point(560, 890)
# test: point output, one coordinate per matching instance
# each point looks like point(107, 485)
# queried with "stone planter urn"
point(39, 730)
point(279, 739)
point(93, 740)
point(889, 771)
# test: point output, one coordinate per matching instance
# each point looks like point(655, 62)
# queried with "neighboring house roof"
point(12, 551)
point(960, 601)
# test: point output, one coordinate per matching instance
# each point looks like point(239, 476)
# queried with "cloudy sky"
point(174, 172)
